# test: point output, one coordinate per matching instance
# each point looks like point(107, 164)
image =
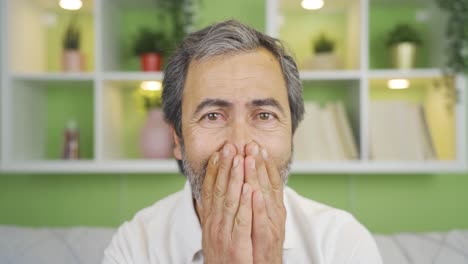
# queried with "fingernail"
point(236, 161)
point(226, 150)
point(264, 154)
point(255, 150)
point(215, 158)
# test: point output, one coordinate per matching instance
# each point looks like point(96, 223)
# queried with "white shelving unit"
point(26, 80)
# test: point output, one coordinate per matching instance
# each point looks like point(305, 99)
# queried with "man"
point(234, 99)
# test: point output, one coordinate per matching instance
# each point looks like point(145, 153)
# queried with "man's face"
point(234, 99)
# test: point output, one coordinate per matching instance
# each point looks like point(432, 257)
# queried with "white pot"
point(72, 61)
point(403, 55)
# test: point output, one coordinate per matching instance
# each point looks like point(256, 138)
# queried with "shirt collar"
point(189, 232)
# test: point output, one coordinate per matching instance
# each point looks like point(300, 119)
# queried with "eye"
point(212, 116)
point(265, 116)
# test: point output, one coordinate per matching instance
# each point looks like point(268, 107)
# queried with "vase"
point(403, 55)
point(151, 62)
point(72, 61)
point(322, 61)
point(155, 136)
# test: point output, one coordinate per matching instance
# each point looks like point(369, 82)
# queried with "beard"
point(195, 172)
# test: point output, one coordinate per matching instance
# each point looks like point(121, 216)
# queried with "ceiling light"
point(71, 4)
point(151, 85)
point(312, 4)
point(398, 84)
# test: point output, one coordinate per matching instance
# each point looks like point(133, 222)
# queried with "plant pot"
point(403, 55)
point(151, 62)
point(72, 61)
point(322, 61)
point(155, 136)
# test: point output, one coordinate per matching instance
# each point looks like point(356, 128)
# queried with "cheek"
point(278, 146)
point(201, 144)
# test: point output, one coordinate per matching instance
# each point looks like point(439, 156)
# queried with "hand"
point(269, 212)
point(226, 210)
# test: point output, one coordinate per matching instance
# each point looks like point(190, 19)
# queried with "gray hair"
point(228, 37)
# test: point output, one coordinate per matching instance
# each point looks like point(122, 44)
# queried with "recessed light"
point(151, 85)
point(312, 4)
point(71, 4)
point(398, 83)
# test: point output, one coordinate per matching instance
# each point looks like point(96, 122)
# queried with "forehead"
point(235, 77)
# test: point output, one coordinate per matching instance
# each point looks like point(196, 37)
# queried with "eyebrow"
point(211, 103)
point(266, 102)
point(226, 104)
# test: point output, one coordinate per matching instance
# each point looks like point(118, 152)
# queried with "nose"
point(240, 135)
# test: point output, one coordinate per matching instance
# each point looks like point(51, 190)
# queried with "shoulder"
point(129, 243)
point(340, 236)
point(307, 208)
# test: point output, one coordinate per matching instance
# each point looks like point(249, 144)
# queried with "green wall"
point(384, 203)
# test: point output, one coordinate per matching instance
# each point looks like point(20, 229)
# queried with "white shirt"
point(169, 232)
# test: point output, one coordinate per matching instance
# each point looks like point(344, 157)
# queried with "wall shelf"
point(132, 76)
point(85, 76)
point(37, 99)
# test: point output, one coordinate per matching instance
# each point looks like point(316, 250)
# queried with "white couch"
point(22, 245)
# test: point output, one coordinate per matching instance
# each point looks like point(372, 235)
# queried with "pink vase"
point(155, 138)
point(72, 61)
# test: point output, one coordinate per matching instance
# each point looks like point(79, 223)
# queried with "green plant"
point(182, 16)
point(323, 44)
point(403, 33)
point(149, 41)
point(456, 35)
point(71, 39)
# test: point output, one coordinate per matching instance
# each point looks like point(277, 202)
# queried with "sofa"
point(24, 245)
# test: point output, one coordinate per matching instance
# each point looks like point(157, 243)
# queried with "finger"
point(266, 189)
point(208, 183)
point(222, 179)
point(250, 175)
point(260, 219)
point(276, 182)
point(233, 194)
point(242, 229)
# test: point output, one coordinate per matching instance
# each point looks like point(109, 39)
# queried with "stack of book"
point(325, 134)
point(398, 131)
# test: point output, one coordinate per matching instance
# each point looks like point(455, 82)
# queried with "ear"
point(177, 147)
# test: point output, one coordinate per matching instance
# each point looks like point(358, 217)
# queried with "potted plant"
point(403, 41)
point(155, 135)
point(325, 57)
point(150, 46)
point(456, 35)
point(72, 59)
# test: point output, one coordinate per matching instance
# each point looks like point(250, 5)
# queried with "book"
point(345, 131)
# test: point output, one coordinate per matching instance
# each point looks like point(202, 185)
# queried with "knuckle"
point(266, 188)
point(206, 194)
point(276, 185)
point(229, 204)
point(219, 192)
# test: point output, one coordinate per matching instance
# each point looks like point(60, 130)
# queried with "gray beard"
point(195, 173)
